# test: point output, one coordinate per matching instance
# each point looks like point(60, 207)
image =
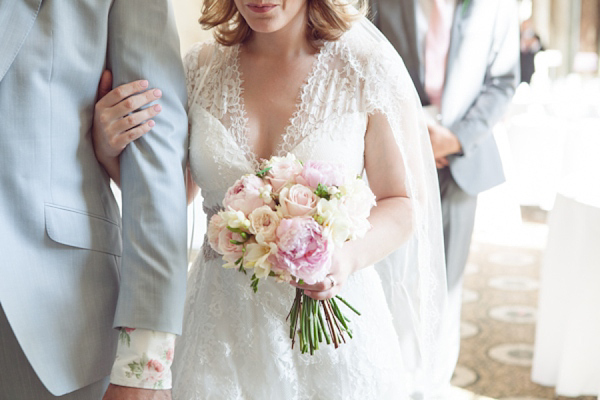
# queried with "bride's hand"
point(119, 119)
point(341, 268)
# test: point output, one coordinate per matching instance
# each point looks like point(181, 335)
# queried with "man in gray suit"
point(70, 269)
point(473, 51)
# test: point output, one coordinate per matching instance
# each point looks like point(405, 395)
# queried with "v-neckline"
point(291, 126)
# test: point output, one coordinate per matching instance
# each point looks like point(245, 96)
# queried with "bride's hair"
point(327, 19)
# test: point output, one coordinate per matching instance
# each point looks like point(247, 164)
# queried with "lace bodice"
point(329, 122)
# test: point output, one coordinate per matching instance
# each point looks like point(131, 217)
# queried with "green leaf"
point(124, 337)
point(322, 192)
point(262, 173)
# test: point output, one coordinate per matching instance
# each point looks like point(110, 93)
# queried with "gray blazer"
point(70, 269)
point(481, 76)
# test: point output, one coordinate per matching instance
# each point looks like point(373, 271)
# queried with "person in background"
point(71, 270)
point(463, 57)
point(530, 46)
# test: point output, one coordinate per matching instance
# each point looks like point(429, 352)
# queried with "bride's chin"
point(263, 26)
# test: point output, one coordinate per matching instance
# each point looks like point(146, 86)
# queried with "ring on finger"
point(333, 283)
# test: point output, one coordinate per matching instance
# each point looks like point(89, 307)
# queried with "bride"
point(314, 78)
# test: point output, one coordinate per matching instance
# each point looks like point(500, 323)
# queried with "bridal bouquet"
point(284, 222)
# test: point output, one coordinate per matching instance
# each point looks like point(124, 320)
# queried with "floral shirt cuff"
point(144, 359)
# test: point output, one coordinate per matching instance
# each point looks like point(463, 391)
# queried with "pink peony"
point(283, 170)
point(215, 226)
point(245, 195)
point(298, 201)
point(323, 172)
point(303, 250)
point(155, 365)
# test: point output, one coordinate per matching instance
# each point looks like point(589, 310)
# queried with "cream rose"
point(263, 224)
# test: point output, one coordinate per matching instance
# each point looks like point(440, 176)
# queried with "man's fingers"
point(441, 162)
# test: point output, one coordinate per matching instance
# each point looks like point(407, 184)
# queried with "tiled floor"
point(499, 308)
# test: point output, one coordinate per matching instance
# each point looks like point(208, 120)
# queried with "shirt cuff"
point(144, 359)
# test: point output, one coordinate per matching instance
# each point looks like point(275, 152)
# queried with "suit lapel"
point(16, 20)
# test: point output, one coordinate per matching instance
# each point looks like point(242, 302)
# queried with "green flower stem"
point(348, 305)
point(312, 319)
point(337, 324)
point(338, 313)
point(322, 324)
point(328, 317)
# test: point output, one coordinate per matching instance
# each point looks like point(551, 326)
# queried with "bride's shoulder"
point(200, 54)
point(368, 52)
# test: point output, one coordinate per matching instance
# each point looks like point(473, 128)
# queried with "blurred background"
point(531, 312)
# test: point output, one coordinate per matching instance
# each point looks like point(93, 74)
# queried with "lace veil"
point(414, 276)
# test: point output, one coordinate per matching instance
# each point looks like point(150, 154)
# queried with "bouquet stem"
point(307, 322)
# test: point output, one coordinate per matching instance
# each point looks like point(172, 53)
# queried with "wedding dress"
point(235, 343)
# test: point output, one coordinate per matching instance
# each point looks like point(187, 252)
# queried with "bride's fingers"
point(326, 284)
point(134, 119)
point(120, 93)
point(122, 140)
point(135, 102)
point(322, 295)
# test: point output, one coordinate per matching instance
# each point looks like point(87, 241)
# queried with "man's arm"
point(143, 44)
point(500, 82)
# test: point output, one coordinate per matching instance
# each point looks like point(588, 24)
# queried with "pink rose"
point(231, 252)
point(215, 226)
point(298, 201)
point(323, 172)
point(245, 194)
point(129, 330)
point(155, 365)
point(283, 171)
point(170, 354)
point(303, 250)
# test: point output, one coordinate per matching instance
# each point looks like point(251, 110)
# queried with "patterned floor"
point(499, 314)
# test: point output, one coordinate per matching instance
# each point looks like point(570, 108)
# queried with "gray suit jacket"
point(481, 77)
point(67, 276)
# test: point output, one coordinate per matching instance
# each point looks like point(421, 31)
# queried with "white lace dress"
point(235, 343)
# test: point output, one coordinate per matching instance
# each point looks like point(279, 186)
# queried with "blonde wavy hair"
point(327, 19)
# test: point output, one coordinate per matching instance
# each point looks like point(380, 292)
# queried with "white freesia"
point(235, 219)
point(334, 218)
point(257, 257)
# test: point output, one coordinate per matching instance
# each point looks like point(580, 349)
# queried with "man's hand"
point(115, 392)
point(443, 143)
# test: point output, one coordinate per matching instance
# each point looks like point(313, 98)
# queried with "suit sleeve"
point(143, 43)
point(501, 79)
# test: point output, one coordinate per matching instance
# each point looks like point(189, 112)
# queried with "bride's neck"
point(288, 42)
